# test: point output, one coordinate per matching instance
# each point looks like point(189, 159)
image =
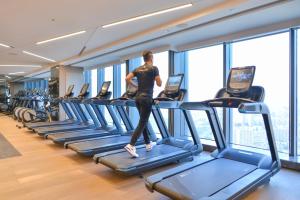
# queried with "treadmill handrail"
point(253, 108)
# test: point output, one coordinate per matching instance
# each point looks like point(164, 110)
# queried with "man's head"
point(148, 56)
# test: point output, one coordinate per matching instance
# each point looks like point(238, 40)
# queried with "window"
point(161, 60)
point(123, 76)
point(205, 78)
point(108, 76)
point(298, 66)
point(270, 55)
point(94, 81)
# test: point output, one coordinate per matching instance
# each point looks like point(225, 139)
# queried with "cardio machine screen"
point(70, 89)
point(240, 79)
point(105, 87)
point(84, 89)
point(173, 84)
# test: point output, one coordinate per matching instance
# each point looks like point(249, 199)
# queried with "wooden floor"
point(47, 171)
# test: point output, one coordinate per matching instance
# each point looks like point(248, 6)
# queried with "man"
point(146, 75)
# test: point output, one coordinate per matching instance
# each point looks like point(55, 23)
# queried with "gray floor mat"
point(7, 149)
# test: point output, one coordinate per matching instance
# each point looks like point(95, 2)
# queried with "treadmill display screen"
point(173, 84)
point(84, 89)
point(240, 79)
point(70, 89)
point(131, 89)
point(105, 87)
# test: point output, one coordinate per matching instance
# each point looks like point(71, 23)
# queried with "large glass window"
point(94, 82)
point(298, 67)
point(205, 78)
point(108, 76)
point(270, 55)
point(123, 81)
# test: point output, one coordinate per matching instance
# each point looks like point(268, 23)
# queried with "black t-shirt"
point(146, 76)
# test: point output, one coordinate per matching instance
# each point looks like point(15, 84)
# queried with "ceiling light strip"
point(20, 66)
point(148, 15)
point(4, 45)
point(14, 73)
point(38, 56)
point(61, 37)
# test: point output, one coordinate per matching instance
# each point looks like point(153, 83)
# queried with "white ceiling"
point(23, 23)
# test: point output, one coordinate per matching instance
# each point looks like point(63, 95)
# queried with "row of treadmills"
point(227, 173)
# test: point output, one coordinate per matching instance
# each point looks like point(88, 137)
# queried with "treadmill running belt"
point(204, 180)
point(125, 161)
point(73, 135)
point(99, 143)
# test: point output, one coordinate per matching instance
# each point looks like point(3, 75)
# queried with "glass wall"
point(94, 89)
point(204, 79)
point(108, 76)
point(298, 68)
point(123, 76)
point(270, 55)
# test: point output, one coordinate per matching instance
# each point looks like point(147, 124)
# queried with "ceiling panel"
point(28, 21)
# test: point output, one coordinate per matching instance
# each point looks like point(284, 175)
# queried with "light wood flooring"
point(47, 171)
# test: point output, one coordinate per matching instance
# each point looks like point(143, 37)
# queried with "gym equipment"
point(103, 130)
point(167, 150)
point(112, 142)
point(70, 120)
point(77, 110)
point(228, 173)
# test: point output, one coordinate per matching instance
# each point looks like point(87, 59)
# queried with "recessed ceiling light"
point(148, 15)
point(20, 66)
point(14, 73)
point(61, 37)
point(35, 55)
point(4, 45)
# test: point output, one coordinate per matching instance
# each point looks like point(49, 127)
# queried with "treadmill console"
point(84, 90)
point(173, 84)
point(104, 88)
point(69, 92)
point(130, 91)
point(240, 80)
point(239, 89)
point(172, 91)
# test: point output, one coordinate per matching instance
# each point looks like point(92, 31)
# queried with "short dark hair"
point(147, 55)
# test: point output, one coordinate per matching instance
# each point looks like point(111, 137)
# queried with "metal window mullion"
point(227, 113)
point(171, 58)
point(117, 80)
point(293, 93)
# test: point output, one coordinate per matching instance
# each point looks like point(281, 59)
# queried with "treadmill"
point(102, 144)
point(168, 150)
point(71, 118)
point(77, 110)
point(97, 116)
point(229, 173)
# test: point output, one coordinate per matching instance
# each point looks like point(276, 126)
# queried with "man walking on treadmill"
point(146, 75)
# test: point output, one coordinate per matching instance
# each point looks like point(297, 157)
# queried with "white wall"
point(69, 75)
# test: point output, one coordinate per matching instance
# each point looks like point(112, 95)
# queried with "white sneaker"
point(131, 150)
point(150, 146)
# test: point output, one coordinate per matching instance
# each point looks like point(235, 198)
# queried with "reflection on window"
point(270, 55)
point(298, 65)
point(205, 78)
point(94, 82)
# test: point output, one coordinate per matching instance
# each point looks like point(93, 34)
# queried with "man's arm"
point(158, 81)
point(129, 79)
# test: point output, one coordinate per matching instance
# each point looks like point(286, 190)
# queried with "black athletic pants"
point(144, 106)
